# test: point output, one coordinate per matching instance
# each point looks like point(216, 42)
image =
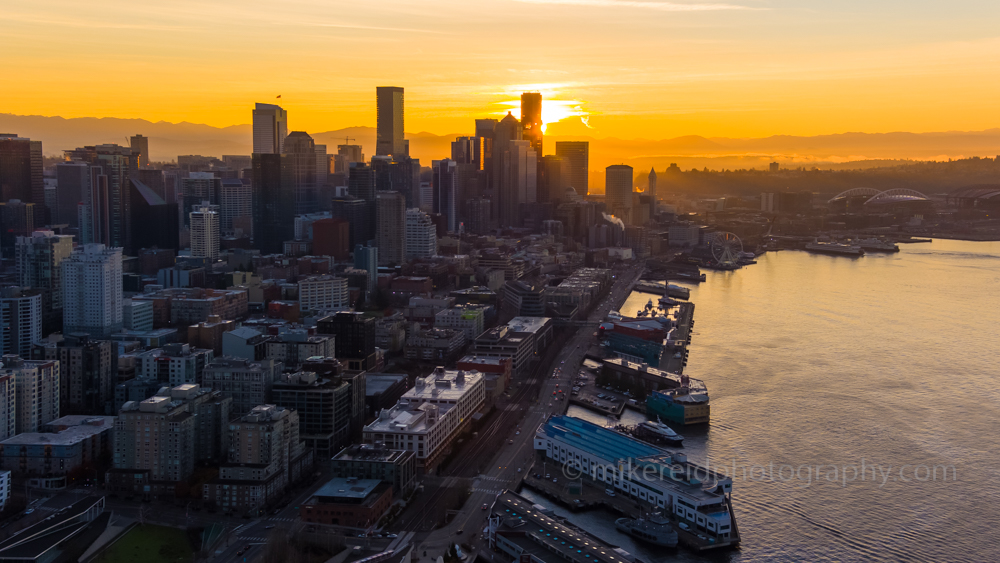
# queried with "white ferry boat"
point(877, 245)
point(835, 248)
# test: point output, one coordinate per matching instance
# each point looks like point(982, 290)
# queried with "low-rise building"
point(502, 342)
point(429, 417)
point(323, 293)
point(325, 407)
point(174, 364)
point(208, 334)
point(245, 342)
point(291, 347)
point(497, 371)
point(390, 333)
point(382, 391)
point(467, 318)
point(434, 344)
point(370, 461)
point(61, 451)
point(352, 503)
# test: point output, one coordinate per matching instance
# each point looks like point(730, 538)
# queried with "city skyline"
point(660, 69)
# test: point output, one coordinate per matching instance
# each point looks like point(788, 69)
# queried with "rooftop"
point(375, 384)
point(442, 384)
point(528, 324)
point(342, 488)
point(69, 430)
point(370, 452)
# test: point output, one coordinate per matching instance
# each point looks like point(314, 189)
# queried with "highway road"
point(467, 526)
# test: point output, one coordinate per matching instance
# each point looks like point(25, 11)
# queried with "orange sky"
point(635, 68)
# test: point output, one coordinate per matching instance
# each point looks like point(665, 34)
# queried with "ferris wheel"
point(726, 249)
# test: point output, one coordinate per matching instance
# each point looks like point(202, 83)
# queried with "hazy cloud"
point(659, 6)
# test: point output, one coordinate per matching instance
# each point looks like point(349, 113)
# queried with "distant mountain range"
point(845, 150)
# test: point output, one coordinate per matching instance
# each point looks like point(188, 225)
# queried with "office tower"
point(322, 166)
point(382, 173)
point(358, 213)
point(20, 320)
point(421, 235)
point(354, 338)
point(576, 156)
point(390, 228)
point(324, 405)
point(446, 196)
point(520, 183)
point(21, 170)
point(389, 132)
point(332, 237)
point(300, 154)
point(506, 205)
point(140, 147)
point(155, 220)
point(484, 139)
point(270, 127)
point(651, 189)
point(239, 162)
point(17, 219)
point(108, 201)
point(550, 179)
point(618, 191)
point(531, 120)
point(366, 258)
point(477, 216)
point(72, 184)
point(37, 384)
point(273, 203)
point(38, 260)
point(88, 372)
point(92, 290)
point(205, 233)
point(361, 181)
point(323, 293)
point(236, 202)
point(154, 180)
point(346, 155)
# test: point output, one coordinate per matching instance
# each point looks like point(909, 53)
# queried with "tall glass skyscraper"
point(389, 105)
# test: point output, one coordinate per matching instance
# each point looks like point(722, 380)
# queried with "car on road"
point(391, 536)
point(269, 526)
point(242, 550)
point(609, 492)
point(555, 480)
point(459, 532)
point(485, 506)
point(518, 433)
point(510, 441)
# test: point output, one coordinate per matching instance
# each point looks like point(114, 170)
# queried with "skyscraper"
point(300, 152)
point(531, 120)
point(273, 202)
point(199, 187)
point(389, 134)
point(38, 259)
point(270, 127)
point(21, 170)
point(205, 233)
point(107, 217)
point(390, 230)
point(576, 156)
point(17, 219)
point(550, 178)
point(37, 391)
point(366, 258)
point(618, 191)
point(72, 184)
point(446, 195)
point(92, 291)
point(361, 182)
point(155, 219)
point(347, 154)
point(505, 208)
point(140, 147)
point(651, 189)
point(237, 201)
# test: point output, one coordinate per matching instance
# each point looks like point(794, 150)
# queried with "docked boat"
point(655, 530)
point(656, 431)
point(835, 248)
point(677, 292)
point(877, 245)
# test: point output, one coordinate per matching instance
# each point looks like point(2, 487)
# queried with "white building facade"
point(92, 291)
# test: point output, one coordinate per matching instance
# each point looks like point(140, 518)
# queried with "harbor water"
point(855, 402)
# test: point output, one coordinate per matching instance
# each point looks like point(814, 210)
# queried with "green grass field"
point(150, 544)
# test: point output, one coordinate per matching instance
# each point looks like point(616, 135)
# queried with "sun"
point(553, 110)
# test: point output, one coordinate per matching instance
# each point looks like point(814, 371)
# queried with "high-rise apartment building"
point(140, 147)
point(618, 191)
point(390, 229)
point(248, 383)
point(20, 320)
point(270, 127)
point(273, 202)
point(205, 233)
point(421, 235)
point(166, 434)
point(446, 194)
point(576, 155)
point(325, 408)
point(38, 258)
point(236, 203)
point(8, 406)
point(389, 132)
point(37, 391)
point(88, 372)
point(173, 364)
point(198, 188)
point(92, 290)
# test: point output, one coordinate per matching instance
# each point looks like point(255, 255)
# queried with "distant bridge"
point(875, 197)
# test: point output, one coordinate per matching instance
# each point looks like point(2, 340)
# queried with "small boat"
point(657, 431)
point(655, 530)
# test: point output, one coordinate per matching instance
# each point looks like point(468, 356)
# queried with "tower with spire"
point(651, 190)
